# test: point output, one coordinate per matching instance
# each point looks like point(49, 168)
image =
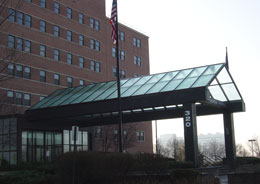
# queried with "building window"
point(81, 82)
point(113, 51)
point(69, 35)
point(42, 26)
point(140, 136)
point(134, 42)
point(95, 66)
point(122, 74)
point(42, 76)
point(92, 65)
point(18, 99)
point(27, 72)
point(69, 13)
point(138, 43)
point(69, 58)
point(11, 41)
point(122, 36)
point(19, 44)
point(94, 24)
point(29, 1)
point(10, 97)
point(69, 82)
point(98, 67)
point(95, 45)
point(81, 18)
point(27, 46)
point(81, 62)
point(19, 71)
point(56, 31)
point(98, 132)
point(11, 15)
point(56, 7)
point(139, 61)
point(42, 50)
point(27, 99)
point(43, 3)
point(97, 27)
point(81, 40)
point(20, 18)
point(11, 69)
point(122, 55)
point(56, 55)
point(92, 44)
point(57, 79)
point(114, 72)
point(28, 20)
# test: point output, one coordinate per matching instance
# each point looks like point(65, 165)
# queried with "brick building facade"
point(47, 45)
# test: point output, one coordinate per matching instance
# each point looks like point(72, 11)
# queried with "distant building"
point(204, 139)
point(165, 138)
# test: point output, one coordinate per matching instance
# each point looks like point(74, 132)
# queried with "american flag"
point(113, 20)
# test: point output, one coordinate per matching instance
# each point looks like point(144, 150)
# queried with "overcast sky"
point(189, 33)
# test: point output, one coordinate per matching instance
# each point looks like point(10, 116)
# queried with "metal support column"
point(229, 138)
point(190, 134)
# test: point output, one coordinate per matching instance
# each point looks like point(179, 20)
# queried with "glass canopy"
point(216, 77)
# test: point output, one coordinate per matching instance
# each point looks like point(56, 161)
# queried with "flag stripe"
point(113, 21)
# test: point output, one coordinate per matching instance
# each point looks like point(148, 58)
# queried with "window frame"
point(43, 26)
point(56, 31)
point(11, 41)
point(56, 55)
point(43, 3)
point(12, 15)
point(27, 46)
point(69, 58)
point(56, 78)
point(69, 35)
point(69, 13)
point(43, 50)
point(42, 77)
point(69, 82)
point(27, 72)
point(27, 20)
point(81, 62)
point(81, 18)
point(27, 99)
point(19, 71)
point(56, 7)
point(18, 98)
point(20, 18)
point(81, 40)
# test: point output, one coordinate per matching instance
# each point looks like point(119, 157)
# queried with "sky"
point(190, 33)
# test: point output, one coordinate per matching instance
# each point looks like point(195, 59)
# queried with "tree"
point(254, 146)
point(241, 151)
point(176, 148)
point(7, 54)
point(108, 140)
point(213, 150)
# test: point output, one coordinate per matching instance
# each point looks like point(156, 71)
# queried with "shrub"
point(93, 167)
point(248, 160)
point(185, 176)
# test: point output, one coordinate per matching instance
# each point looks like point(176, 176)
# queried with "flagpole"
point(120, 143)
point(227, 64)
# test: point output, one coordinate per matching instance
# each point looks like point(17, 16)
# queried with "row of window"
point(94, 24)
point(121, 72)
point(25, 45)
point(26, 20)
point(19, 98)
point(139, 134)
point(25, 72)
point(122, 56)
